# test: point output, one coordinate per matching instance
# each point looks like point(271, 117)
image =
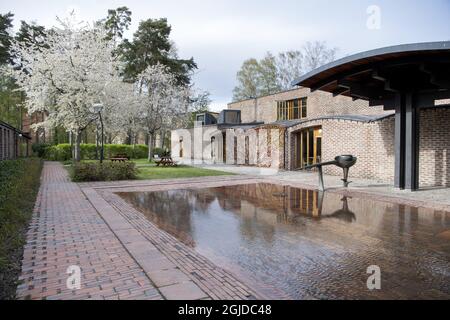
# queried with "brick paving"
point(217, 282)
point(118, 260)
point(66, 230)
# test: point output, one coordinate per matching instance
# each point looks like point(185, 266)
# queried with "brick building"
point(13, 142)
point(291, 129)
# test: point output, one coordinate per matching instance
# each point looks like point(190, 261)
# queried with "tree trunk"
point(162, 137)
point(78, 147)
point(97, 139)
point(150, 147)
point(71, 144)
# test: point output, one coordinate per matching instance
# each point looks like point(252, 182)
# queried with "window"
point(201, 118)
point(304, 111)
point(292, 109)
point(232, 117)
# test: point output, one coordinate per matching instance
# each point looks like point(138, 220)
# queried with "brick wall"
point(434, 168)
point(319, 103)
point(372, 143)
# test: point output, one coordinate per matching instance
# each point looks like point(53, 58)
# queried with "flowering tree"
point(65, 77)
point(162, 101)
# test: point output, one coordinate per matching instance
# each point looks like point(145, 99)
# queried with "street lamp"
point(97, 108)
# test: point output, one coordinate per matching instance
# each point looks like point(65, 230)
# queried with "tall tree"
point(289, 67)
point(256, 78)
point(162, 100)
point(272, 74)
point(67, 76)
point(117, 21)
point(5, 36)
point(31, 33)
point(151, 45)
point(248, 81)
point(317, 54)
point(10, 100)
point(268, 75)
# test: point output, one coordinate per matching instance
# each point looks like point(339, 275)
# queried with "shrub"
point(19, 184)
point(140, 151)
point(39, 149)
point(63, 152)
point(107, 171)
point(60, 152)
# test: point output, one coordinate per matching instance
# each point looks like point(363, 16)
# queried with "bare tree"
point(274, 73)
point(317, 54)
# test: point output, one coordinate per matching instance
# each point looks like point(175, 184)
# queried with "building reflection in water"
point(273, 204)
point(299, 241)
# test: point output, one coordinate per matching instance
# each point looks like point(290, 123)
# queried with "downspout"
point(285, 149)
point(256, 109)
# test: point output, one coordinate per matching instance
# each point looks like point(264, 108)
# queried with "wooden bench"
point(121, 157)
point(165, 162)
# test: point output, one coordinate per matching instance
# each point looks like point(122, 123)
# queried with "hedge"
point(106, 171)
point(19, 184)
point(62, 152)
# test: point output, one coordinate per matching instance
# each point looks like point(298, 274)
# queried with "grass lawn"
point(153, 172)
point(149, 170)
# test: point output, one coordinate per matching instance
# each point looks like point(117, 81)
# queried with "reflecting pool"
point(303, 244)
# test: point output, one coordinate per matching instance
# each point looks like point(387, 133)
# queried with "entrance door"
point(309, 147)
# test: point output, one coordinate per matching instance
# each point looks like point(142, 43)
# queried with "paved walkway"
point(66, 230)
point(77, 227)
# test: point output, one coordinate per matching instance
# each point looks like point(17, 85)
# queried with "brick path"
point(66, 230)
point(117, 261)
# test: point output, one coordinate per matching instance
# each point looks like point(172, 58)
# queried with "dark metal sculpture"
point(345, 162)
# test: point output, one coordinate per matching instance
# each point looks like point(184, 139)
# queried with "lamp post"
point(98, 107)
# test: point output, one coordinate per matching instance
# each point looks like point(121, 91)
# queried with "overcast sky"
point(221, 34)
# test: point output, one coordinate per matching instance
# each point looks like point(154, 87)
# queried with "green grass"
point(148, 173)
point(19, 184)
point(149, 170)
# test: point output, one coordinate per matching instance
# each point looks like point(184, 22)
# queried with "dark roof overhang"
point(19, 132)
point(379, 75)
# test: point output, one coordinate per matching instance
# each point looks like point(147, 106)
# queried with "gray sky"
point(221, 34)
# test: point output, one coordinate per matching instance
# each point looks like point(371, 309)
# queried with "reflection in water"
point(307, 243)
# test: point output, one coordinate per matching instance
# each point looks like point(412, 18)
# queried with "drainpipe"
point(256, 109)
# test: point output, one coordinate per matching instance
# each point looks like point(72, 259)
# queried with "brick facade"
point(372, 141)
point(434, 168)
point(319, 103)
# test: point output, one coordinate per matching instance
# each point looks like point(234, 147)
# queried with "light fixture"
point(97, 107)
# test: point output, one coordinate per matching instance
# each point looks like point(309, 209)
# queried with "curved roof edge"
point(403, 48)
point(347, 117)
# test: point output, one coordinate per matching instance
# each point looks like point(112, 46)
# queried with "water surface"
point(302, 244)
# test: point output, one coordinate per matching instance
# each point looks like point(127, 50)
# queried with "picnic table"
point(165, 162)
point(120, 158)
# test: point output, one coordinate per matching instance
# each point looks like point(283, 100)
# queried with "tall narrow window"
point(304, 108)
point(181, 147)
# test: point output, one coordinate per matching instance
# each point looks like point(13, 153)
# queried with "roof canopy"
point(379, 75)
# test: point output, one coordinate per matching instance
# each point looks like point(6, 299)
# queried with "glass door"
point(309, 147)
